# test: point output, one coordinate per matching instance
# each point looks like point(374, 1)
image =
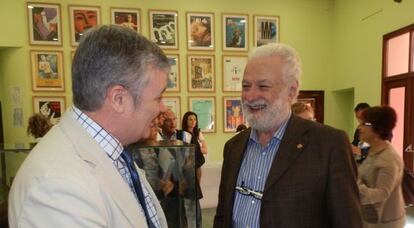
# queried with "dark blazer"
point(312, 181)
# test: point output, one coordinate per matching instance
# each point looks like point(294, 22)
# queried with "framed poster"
point(235, 32)
point(47, 70)
point(81, 19)
point(205, 108)
point(314, 98)
point(53, 107)
point(200, 31)
point(233, 113)
point(201, 73)
point(173, 103)
point(127, 17)
point(45, 27)
point(233, 70)
point(163, 26)
point(266, 30)
point(173, 84)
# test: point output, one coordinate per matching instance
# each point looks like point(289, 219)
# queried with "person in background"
point(303, 110)
point(381, 173)
point(284, 171)
point(190, 124)
point(241, 127)
point(38, 126)
point(359, 148)
point(79, 174)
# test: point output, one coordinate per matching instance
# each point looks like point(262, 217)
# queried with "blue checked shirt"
point(253, 174)
point(113, 148)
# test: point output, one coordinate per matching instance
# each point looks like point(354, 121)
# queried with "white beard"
point(269, 117)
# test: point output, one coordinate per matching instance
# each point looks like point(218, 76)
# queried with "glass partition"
point(170, 169)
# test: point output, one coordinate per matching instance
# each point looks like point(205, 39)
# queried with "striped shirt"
point(253, 174)
point(113, 148)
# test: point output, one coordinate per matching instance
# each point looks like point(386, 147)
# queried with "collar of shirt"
point(112, 147)
point(278, 134)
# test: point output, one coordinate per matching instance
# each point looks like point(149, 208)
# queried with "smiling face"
point(266, 97)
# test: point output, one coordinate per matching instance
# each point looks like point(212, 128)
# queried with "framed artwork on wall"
point(81, 19)
point(201, 73)
point(235, 32)
point(233, 69)
point(200, 31)
point(173, 84)
point(53, 107)
point(314, 98)
point(233, 114)
point(45, 24)
point(47, 70)
point(266, 30)
point(163, 26)
point(173, 103)
point(127, 17)
point(205, 108)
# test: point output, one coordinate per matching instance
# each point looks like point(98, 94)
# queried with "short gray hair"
point(292, 68)
point(112, 55)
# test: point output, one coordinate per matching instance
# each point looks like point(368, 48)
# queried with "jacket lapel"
point(103, 169)
point(291, 146)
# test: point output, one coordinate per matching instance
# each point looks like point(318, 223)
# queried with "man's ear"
point(293, 90)
point(117, 96)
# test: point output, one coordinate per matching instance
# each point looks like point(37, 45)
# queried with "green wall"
point(306, 25)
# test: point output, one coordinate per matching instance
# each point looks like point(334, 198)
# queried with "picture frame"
point(45, 23)
point(235, 32)
point(81, 19)
point(127, 17)
point(200, 31)
point(163, 27)
point(173, 84)
point(315, 98)
point(47, 70)
point(174, 104)
point(205, 108)
point(201, 73)
point(51, 106)
point(233, 70)
point(266, 30)
point(233, 113)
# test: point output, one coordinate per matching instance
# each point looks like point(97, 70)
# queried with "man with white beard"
point(284, 171)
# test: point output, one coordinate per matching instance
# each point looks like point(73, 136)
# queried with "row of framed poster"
point(45, 27)
point(205, 107)
point(48, 73)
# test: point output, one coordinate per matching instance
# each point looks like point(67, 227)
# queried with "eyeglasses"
point(366, 124)
point(248, 192)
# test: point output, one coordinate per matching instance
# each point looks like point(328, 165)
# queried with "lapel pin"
point(299, 146)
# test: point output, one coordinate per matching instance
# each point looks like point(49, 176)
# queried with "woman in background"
point(303, 110)
point(381, 173)
point(190, 124)
point(38, 126)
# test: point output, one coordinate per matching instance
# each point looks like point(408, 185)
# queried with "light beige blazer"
point(379, 184)
point(69, 181)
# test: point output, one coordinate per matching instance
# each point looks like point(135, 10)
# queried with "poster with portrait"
point(235, 32)
point(52, 107)
point(266, 30)
point(47, 70)
point(173, 104)
point(233, 113)
point(81, 19)
point(201, 73)
point(45, 27)
point(173, 84)
point(205, 108)
point(164, 28)
point(200, 31)
point(127, 17)
point(233, 70)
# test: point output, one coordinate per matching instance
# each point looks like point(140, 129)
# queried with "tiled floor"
point(208, 217)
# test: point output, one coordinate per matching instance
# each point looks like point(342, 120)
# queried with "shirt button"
point(252, 201)
point(258, 177)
